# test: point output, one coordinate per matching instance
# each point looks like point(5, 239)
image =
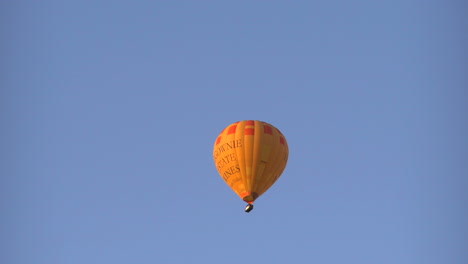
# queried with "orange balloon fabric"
point(250, 156)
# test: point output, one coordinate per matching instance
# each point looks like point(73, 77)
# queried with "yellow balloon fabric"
point(250, 156)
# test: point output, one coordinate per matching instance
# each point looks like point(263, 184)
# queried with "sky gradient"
point(110, 109)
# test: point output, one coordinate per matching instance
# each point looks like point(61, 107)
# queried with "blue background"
point(109, 111)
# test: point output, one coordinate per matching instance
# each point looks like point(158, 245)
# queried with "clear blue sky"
point(109, 110)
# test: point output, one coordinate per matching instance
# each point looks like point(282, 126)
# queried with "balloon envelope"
point(250, 156)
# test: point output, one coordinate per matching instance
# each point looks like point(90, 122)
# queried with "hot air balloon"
point(250, 156)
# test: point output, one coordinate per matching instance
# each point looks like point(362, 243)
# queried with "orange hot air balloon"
point(250, 156)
